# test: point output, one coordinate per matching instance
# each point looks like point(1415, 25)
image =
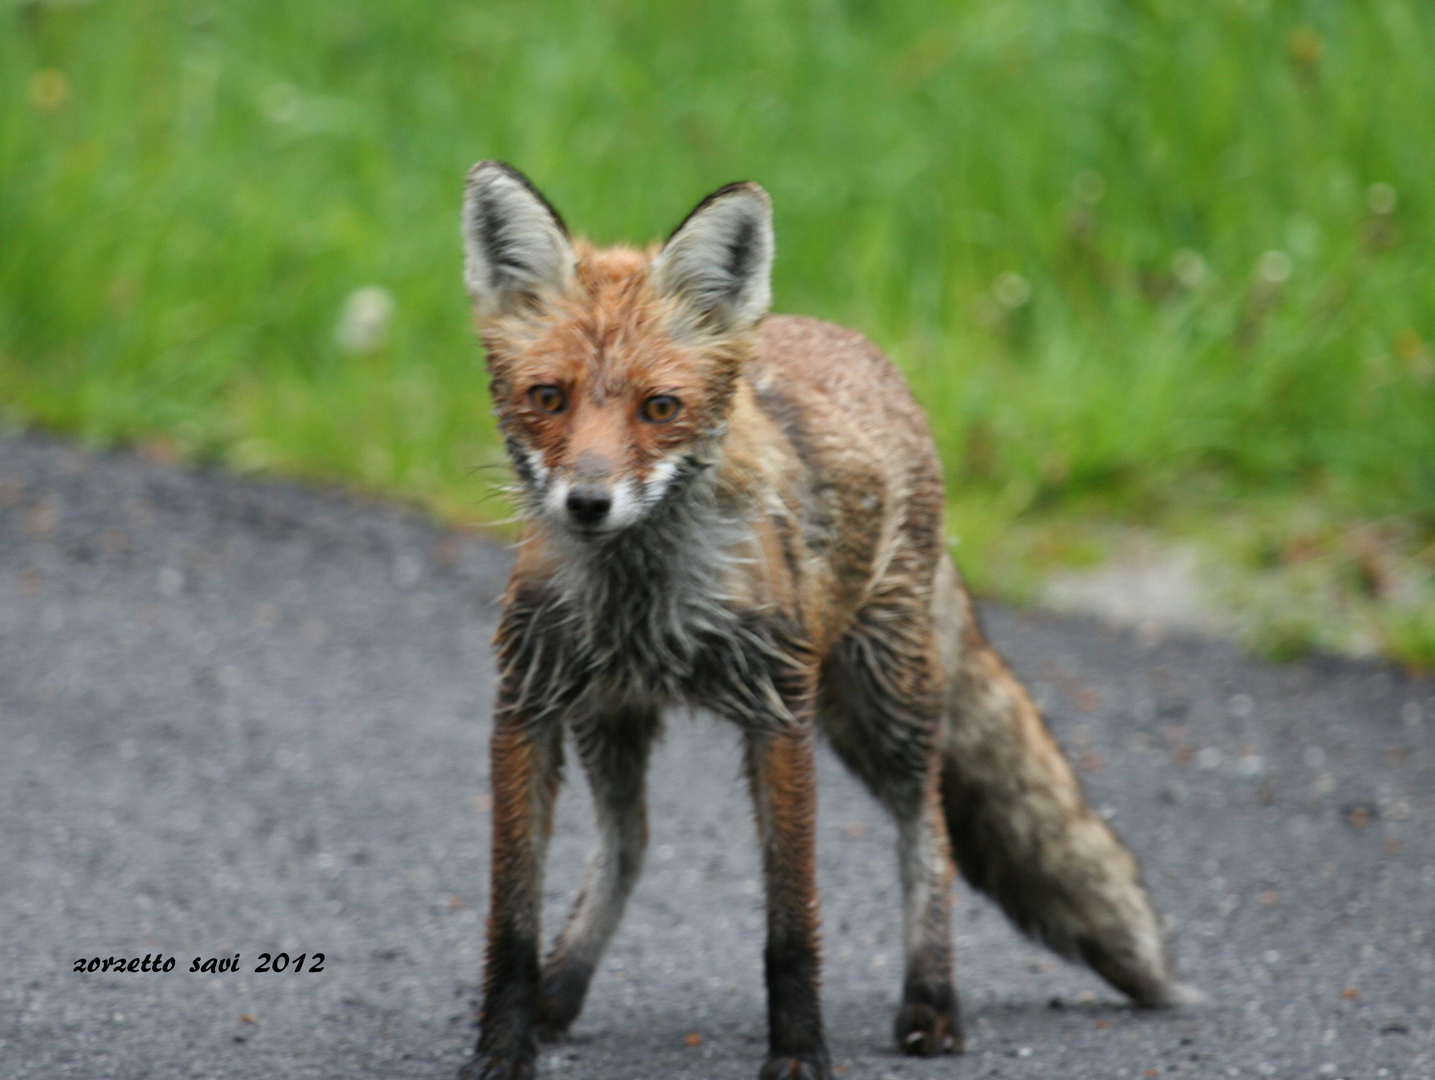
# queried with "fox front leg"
point(614, 750)
point(525, 771)
point(780, 768)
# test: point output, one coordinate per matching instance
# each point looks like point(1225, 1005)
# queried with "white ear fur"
point(719, 261)
point(516, 247)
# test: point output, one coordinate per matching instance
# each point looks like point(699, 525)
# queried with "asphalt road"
point(247, 717)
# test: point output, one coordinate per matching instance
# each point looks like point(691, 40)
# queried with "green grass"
point(1057, 214)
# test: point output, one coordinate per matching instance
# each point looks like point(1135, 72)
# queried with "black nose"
point(589, 503)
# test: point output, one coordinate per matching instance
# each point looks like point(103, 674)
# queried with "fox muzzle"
point(588, 504)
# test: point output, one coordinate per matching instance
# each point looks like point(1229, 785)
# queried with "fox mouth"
point(593, 533)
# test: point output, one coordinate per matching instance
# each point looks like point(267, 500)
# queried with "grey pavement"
point(241, 716)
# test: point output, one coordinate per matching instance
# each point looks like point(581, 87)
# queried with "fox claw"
point(488, 1067)
point(796, 1067)
point(924, 1031)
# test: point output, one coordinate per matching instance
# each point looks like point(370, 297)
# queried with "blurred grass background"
point(1147, 262)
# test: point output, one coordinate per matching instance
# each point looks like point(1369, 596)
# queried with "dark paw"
point(560, 999)
point(925, 1030)
point(492, 1067)
point(796, 1067)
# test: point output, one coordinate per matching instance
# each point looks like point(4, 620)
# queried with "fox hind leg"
point(928, 1021)
point(879, 706)
point(614, 750)
point(1022, 831)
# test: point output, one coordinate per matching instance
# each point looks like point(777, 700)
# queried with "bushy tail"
point(1022, 831)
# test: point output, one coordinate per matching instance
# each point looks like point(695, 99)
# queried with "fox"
point(742, 513)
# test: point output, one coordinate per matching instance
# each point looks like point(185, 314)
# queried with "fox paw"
point(560, 999)
point(796, 1067)
point(924, 1030)
point(493, 1067)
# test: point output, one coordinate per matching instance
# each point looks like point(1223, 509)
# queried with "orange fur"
point(771, 549)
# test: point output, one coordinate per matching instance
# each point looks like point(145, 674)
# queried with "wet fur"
point(789, 574)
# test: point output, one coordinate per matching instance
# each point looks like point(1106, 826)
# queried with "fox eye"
point(549, 399)
point(661, 408)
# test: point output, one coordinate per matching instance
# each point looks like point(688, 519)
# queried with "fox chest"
point(566, 654)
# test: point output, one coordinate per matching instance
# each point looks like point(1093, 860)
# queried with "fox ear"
point(718, 262)
point(516, 247)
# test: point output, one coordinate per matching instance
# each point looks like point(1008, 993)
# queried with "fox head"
point(613, 370)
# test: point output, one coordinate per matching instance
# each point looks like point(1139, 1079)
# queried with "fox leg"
point(780, 771)
point(614, 751)
point(928, 1021)
point(1020, 827)
point(526, 768)
point(879, 706)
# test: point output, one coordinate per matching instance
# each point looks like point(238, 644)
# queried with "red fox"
point(743, 513)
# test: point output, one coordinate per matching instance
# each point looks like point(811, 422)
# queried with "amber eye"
point(660, 408)
point(549, 399)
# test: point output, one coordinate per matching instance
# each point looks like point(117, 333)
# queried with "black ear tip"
point(738, 187)
point(483, 173)
point(745, 187)
point(752, 187)
point(486, 173)
point(492, 166)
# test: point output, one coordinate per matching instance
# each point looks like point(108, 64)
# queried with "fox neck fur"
point(675, 609)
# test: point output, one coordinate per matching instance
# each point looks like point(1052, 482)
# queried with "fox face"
point(612, 372)
point(604, 413)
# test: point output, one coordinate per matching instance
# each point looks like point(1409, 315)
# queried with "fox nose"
point(589, 503)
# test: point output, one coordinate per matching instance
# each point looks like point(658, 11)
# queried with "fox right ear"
point(516, 247)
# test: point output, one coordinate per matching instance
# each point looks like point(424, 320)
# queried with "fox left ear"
point(718, 262)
